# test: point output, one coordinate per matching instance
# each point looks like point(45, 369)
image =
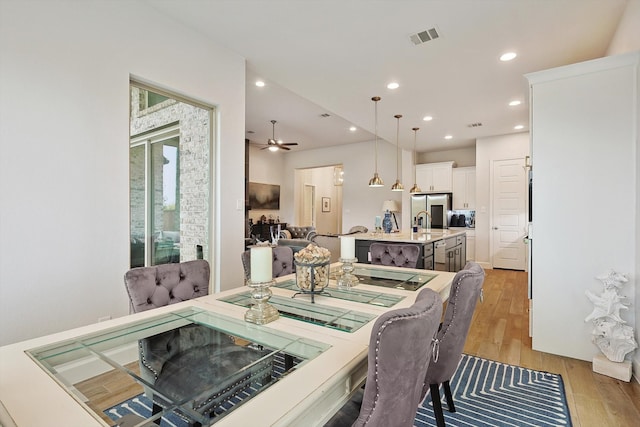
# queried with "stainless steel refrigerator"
point(437, 204)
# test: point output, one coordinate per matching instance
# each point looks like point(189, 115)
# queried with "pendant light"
point(398, 185)
point(415, 188)
point(376, 181)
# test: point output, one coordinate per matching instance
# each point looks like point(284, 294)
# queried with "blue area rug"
point(485, 393)
point(489, 393)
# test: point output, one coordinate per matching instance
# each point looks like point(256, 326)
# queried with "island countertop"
point(431, 235)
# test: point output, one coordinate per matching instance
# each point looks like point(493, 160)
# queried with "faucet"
point(427, 218)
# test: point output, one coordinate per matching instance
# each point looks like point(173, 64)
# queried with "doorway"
point(318, 199)
point(308, 205)
point(508, 214)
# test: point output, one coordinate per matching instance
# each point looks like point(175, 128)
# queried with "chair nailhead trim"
point(382, 328)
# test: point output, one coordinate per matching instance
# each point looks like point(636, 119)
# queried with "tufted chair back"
point(160, 285)
point(395, 254)
point(397, 361)
point(282, 262)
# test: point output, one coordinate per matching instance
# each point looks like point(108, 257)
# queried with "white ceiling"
point(332, 56)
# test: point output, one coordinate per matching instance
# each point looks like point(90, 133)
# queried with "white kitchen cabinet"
point(435, 177)
point(464, 188)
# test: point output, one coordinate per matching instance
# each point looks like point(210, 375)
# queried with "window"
point(170, 160)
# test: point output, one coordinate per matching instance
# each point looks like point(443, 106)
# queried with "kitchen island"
point(440, 249)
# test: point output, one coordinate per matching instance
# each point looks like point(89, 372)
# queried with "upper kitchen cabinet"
point(464, 188)
point(435, 177)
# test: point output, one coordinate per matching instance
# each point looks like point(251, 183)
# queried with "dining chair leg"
point(437, 405)
point(448, 396)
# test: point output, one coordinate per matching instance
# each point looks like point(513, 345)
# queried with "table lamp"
point(391, 206)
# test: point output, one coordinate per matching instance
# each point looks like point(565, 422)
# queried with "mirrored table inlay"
point(317, 314)
point(352, 294)
point(406, 280)
point(195, 365)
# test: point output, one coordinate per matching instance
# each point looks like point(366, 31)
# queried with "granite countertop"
point(406, 236)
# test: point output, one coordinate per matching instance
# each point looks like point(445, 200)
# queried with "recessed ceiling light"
point(260, 83)
point(448, 137)
point(518, 127)
point(353, 128)
point(393, 85)
point(427, 118)
point(514, 103)
point(508, 56)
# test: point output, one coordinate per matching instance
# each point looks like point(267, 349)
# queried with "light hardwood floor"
point(500, 331)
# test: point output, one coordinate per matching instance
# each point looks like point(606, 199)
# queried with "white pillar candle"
point(261, 264)
point(347, 247)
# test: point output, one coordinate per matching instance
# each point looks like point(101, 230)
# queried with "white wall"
point(627, 36)
point(488, 149)
point(585, 200)
point(627, 39)
point(360, 203)
point(266, 167)
point(64, 167)
point(462, 156)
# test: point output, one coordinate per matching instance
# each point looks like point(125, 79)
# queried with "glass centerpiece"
point(312, 270)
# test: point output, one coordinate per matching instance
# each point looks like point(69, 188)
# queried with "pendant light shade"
point(398, 185)
point(376, 181)
point(415, 188)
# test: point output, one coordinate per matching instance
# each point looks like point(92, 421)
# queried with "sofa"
point(296, 237)
point(329, 241)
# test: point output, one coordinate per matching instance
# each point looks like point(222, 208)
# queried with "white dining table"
point(308, 396)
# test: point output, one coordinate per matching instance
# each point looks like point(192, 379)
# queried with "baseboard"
point(485, 265)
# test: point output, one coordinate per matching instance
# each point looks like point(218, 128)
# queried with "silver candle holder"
point(347, 280)
point(261, 311)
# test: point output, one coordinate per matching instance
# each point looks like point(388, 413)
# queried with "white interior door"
point(508, 219)
point(308, 205)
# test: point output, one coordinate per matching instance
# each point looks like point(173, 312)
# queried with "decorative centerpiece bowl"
point(312, 270)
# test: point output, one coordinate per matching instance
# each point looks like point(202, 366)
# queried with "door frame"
point(492, 208)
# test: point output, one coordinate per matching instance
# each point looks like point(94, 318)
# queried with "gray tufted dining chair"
point(396, 363)
point(181, 362)
point(394, 254)
point(466, 289)
point(164, 284)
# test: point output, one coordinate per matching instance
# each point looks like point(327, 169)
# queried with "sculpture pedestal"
point(617, 370)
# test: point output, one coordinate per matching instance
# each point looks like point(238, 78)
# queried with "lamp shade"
point(390, 205)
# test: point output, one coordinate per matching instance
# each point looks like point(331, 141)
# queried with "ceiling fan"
point(274, 144)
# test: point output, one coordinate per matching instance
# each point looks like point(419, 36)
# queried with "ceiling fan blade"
point(271, 142)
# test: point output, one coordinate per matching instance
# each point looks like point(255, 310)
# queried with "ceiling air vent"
point(474, 125)
point(325, 115)
point(424, 36)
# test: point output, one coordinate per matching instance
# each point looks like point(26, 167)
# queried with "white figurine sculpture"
point(610, 334)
